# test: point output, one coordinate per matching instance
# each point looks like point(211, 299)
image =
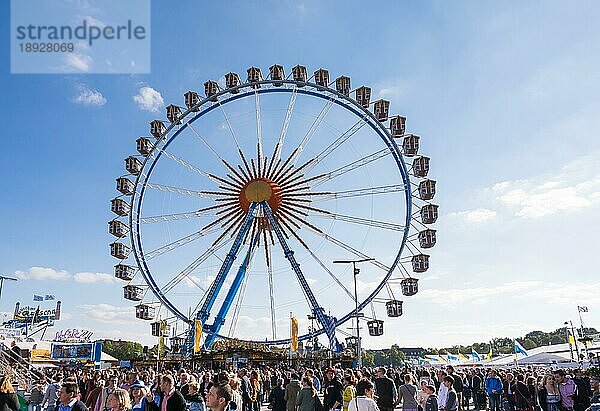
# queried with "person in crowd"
point(458, 384)
point(36, 394)
point(305, 400)
point(467, 392)
point(219, 397)
point(170, 398)
point(333, 389)
point(595, 398)
point(349, 391)
point(364, 401)
point(236, 394)
point(522, 397)
point(256, 390)
point(508, 383)
point(68, 398)
point(138, 393)
point(277, 396)
point(452, 397)
point(184, 380)
point(52, 393)
point(422, 394)
point(93, 395)
point(584, 391)
point(408, 394)
point(119, 400)
point(102, 401)
point(205, 385)
point(442, 393)
point(532, 390)
point(431, 403)
point(291, 392)
point(476, 390)
point(194, 399)
point(247, 390)
point(8, 398)
point(316, 383)
point(494, 389)
point(548, 394)
point(567, 389)
point(386, 392)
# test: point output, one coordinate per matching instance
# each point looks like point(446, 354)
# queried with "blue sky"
point(504, 95)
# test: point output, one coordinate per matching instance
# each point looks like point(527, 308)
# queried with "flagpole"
point(583, 309)
point(516, 356)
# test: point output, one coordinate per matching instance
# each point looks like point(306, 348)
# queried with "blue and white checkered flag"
point(38, 297)
point(49, 297)
point(519, 349)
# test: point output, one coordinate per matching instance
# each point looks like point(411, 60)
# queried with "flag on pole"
point(294, 346)
point(441, 357)
point(49, 297)
point(452, 357)
point(462, 356)
point(38, 297)
point(519, 349)
point(476, 355)
point(582, 309)
point(571, 339)
point(197, 335)
point(489, 355)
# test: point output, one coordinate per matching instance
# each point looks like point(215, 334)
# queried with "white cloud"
point(89, 96)
point(149, 99)
point(576, 186)
point(43, 273)
point(479, 215)
point(86, 277)
point(107, 313)
point(81, 62)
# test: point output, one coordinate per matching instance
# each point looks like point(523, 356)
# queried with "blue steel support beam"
point(233, 290)
point(326, 321)
point(204, 312)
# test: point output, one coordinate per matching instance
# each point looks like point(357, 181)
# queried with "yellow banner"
point(489, 356)
point(571, 339)
point(294, 334)
point(197, 335)
point(40, 355)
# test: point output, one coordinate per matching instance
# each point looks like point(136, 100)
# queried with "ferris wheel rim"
point(318, 91)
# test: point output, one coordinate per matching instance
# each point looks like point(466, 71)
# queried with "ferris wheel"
point(237, 206)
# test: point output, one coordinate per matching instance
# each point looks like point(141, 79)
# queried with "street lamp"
point(2, 278)
point(355, 272)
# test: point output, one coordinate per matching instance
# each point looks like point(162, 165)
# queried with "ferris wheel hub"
point(258, 190)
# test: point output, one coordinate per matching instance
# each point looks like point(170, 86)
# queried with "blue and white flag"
point(49, 297)
point(452, 357)
point(38, 297)
point(519, 349)
point(476, 355)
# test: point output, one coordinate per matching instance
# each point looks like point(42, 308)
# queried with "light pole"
point(2, 278)
point(355, 272)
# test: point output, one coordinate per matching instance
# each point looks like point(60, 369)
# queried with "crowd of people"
point(307, 389)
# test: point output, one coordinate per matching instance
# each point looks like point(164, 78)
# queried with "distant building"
point(412, 352)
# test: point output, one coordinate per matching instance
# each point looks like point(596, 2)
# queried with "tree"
point(123, 350)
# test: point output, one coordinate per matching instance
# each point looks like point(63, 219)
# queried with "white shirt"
point(442, 396)
point(362, 403)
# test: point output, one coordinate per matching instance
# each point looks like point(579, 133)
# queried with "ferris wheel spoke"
point(185, 273)
point(359, 220)
point(310, 164)
point(173, 217)
point(361, 162)
point(351, 249)
point(360, 192)
point(331, 274)
point(177, 243)
point(184, 191)
point(216, 155)
point(187, 165)
point(271, 289)
point(286, 122)
point(258, 131)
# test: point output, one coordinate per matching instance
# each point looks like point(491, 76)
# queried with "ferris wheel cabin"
point(427, 189)
point(117, 228)
point(119, 250)
point(133, 165)
point(157, 128)
point(125, 186)
point(397, 126)
point(277, 73)
point(124, 272)
point(410, 145)
point(363, 96)
point(420, 166)
point(420, 263)
point(144, 146)
point(119, 206)
point(211, 88)
point(254, 75)
point(342, 85)
point(322, 77)
point(427, 238)
point(191, 98)
point(173, 113)
point(429, 213)
point(133, 293)
point(232, 80)
point(375, 327)
point(409, 286)
point(299, 74)
point(144, 312)
point(393, 308)
point(382, 110)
